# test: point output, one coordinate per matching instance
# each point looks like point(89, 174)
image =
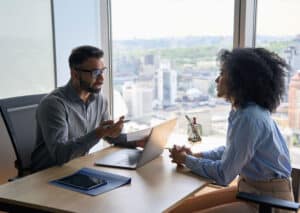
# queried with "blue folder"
point(113, 181)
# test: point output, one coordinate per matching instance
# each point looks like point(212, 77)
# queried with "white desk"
point(155, 187)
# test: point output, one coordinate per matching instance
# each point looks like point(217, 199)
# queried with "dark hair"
point(254, 75)
point(82, 53)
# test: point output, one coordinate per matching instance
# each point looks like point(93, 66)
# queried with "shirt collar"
point(234, 112)
point(72, 94)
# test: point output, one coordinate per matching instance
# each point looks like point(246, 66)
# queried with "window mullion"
point(245, 23)
point(106, 41)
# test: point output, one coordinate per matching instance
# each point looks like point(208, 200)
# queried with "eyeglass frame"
point(95, 73)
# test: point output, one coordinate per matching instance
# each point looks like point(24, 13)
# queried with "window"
point(26, 48)
point(278, 30)
point(76, 23)
point(164, 60)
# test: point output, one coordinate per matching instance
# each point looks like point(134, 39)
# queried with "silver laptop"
point(134, 158)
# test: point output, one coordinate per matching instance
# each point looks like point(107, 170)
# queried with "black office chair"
point(19, 117)
point(266, 203)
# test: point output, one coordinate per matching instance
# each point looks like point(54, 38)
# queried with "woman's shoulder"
point(254, 113)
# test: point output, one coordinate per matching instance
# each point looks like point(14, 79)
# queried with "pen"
point(109, 125)
point(189, 120)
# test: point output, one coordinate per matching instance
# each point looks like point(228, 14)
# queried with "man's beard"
point(87, 87)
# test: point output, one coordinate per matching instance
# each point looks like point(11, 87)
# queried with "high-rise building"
point(138, 99)
point(128, 91)
point(149, 59)
point(292, 57)
point(167, 84)
point(126, 65)
point(149, 65)
point(296, 57)
point(155, 86)
point(294, 103)
point(143, 104)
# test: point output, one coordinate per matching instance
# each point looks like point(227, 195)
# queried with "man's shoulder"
point(100, 98)
point(54, 98)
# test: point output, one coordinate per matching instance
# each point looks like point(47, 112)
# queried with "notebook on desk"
point(91, 182)
point(134, 158)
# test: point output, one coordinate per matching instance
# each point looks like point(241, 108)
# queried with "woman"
point(252, 80)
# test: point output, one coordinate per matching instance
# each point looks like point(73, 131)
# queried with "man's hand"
point(142, 142)
point(110, 129)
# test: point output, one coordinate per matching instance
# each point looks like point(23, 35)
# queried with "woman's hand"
point(178, 154)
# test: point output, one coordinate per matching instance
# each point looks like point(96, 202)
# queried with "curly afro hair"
point(254, 75)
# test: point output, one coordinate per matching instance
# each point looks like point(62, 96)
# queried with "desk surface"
point(155, 187)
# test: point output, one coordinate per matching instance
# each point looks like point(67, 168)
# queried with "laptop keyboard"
point(128, 157)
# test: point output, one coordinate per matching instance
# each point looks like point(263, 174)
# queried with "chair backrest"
point(19, 117)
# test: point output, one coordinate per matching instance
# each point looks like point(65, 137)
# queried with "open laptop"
point(134, 158)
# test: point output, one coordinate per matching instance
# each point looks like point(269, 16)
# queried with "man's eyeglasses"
point(94, 73)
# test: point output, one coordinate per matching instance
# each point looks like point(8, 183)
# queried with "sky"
point(178, 18)
point(278, 17)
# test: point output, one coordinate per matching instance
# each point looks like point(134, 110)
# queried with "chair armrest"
point(296, 181)
point(268, 200)
point(13, 179)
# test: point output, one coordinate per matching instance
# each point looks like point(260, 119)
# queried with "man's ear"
point(74, 74)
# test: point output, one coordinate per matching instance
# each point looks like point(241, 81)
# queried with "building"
point(294, 102)
point(167, 85)
point(138, 99)
point(296, 56)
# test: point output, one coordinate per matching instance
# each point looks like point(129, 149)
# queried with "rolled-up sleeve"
point(238, 152)
point(215, 154)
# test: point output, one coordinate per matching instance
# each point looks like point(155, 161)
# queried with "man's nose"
point(100, 77)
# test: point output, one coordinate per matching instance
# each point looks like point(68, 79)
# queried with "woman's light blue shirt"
point(255, 149)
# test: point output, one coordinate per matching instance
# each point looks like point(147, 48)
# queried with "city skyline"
point(189, 34)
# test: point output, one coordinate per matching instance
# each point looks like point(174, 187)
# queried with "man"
point(73, 118)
